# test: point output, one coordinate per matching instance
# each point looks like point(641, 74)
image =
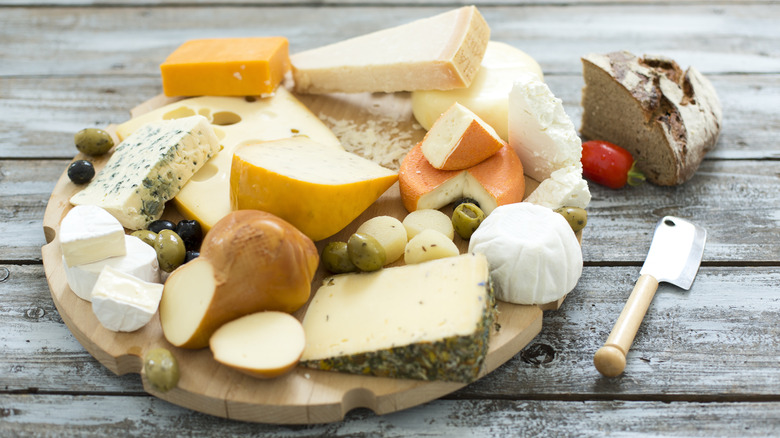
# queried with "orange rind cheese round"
point(496, 181)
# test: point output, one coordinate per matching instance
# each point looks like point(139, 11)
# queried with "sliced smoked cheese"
point(668, 119)
point(436, 53)
point(429, 321)
point(488, 92)
point(263, 344)
point(237, 121)
point(496, 181)
point(459, 139)
point(314, 187)
point(540, 132)
point(226, 67)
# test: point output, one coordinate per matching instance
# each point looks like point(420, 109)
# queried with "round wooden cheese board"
point(303, 396)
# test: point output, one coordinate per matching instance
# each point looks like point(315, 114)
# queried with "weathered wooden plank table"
point(705, 361)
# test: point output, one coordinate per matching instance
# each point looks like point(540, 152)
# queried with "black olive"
point(81, 171)
point(161, 224)
point(191, 233)
point(191, 255)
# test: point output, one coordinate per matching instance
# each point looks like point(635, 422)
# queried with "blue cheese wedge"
point(89, 234)
point(122, 302)
point(149, 168)
point(140, 261)
point(429, 321)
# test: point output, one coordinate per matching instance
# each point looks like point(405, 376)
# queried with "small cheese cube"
point(140, 261)
point(149, 168)
point(122, 302)
point(89, 234)
point(226, 67)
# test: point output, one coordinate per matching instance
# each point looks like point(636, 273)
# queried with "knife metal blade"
point(675, 252)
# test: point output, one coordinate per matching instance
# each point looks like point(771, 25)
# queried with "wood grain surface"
point(704, 362)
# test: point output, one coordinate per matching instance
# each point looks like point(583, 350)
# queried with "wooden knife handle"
point(610, 359)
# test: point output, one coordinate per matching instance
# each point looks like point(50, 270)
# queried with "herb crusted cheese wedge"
point(149, 168)
point(429, 321)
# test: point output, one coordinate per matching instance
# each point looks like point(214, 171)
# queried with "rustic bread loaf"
point(668, 119)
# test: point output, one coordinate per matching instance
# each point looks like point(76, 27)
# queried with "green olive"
point(149, 237)
point(93, 141)
point(366, 252)
point(466, 219)
point(335, 258)
point(575, 216)
point(170, 250)
point(161, 369)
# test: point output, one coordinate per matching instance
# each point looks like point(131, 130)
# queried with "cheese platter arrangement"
point(352, 250)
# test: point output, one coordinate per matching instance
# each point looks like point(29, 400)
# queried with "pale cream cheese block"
point(149, 168)
point(122, 302)
point(488, 93)
point(237, 121)
point(436, 53)
point(564, 188)
point(89, 234)
point(534, 256)
point(382, 323)
point(540, 132)
point(140, 261)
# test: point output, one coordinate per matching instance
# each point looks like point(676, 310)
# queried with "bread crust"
point(666, 117)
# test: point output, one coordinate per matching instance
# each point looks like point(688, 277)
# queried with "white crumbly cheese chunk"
point(122, 302)
point(540, 132)
point(396, 307)
point(89, 234)
point(149, 168)
point(533, 254)
point(140, 261)
point(564, 188)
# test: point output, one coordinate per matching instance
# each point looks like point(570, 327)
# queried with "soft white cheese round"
point(140, 261)
point(122, 302)
point(534, 256)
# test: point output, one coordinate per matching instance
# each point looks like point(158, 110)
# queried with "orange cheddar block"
point(226, 67)
point(496, 181)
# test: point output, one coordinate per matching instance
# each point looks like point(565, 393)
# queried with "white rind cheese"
point(123, 303)
point(149, 168)
point(89, 234)
point(540, 132)
point(564, 188)
point(140, 261)
point(534, 256)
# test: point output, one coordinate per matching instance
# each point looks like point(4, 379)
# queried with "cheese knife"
point(674, 257)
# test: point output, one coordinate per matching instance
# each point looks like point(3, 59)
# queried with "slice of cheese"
point(389, 232)
point(540, 131)
point(428, 321)
point(487, 95)
point(149, 168)
point(496, 181)
point(428, 245)
point(237, 121)
point(89, 234)
point(459, 139)
point(122, 302)
point(140, 261)
point(564, 188)
point(316, 188)
point(436, 53)
point(226, 67)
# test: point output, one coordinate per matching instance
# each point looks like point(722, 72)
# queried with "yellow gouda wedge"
point(236, 121)
point(226, 67)
point(314, 187)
